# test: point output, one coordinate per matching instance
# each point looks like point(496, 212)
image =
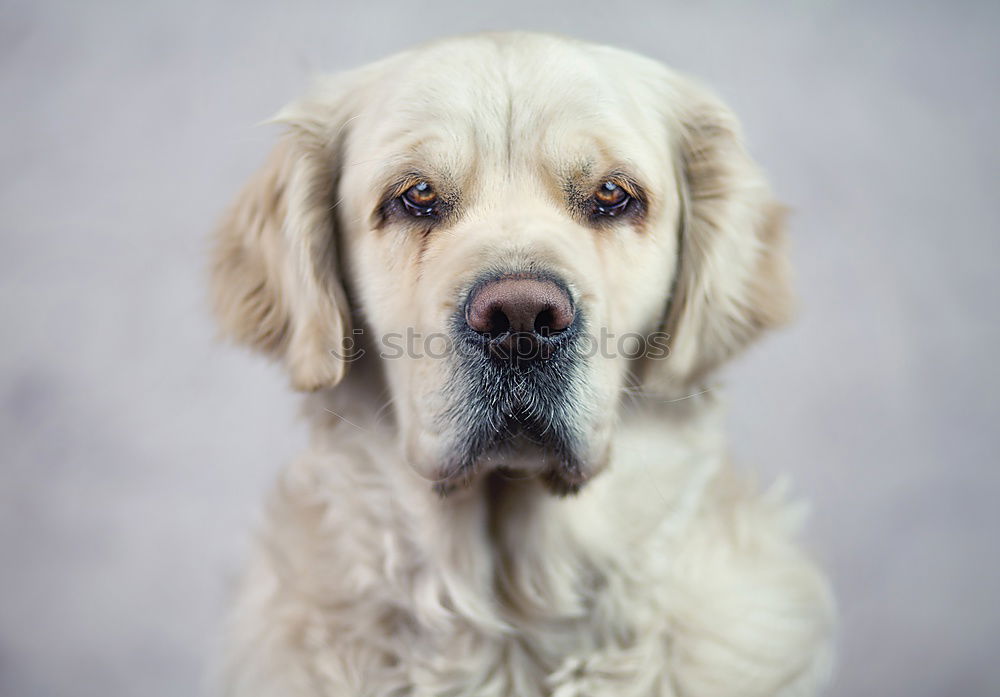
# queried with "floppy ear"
point(274, 271)
point(731, 280)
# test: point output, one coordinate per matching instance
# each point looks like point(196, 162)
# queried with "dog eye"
point(610, 199)
point(420, 199)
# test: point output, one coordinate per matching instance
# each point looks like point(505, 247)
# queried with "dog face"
point(523, 228)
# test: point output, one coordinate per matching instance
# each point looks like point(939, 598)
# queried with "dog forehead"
point(493, 73)
point(500, 101)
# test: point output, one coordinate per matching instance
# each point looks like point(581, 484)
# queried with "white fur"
point(667, 575)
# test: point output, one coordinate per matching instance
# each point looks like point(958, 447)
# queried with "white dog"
point(505, 265)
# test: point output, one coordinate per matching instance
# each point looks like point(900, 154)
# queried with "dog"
point(504, 268)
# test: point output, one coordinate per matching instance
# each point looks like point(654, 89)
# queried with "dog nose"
point(519, 305)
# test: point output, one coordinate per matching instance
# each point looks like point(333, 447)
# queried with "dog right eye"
point(420, 200)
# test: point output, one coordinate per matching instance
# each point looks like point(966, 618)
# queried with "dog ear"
point(732, 279)
point(275, 280)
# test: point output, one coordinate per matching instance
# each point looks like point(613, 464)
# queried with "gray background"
point(135, 450)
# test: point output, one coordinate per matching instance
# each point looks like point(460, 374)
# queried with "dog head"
point(524, 228)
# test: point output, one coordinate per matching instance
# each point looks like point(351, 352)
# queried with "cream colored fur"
point(668, 574)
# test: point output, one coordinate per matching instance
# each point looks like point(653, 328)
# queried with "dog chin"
point(518, 459)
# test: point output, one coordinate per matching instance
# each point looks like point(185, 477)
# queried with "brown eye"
point(610, 199)
point(420, 199)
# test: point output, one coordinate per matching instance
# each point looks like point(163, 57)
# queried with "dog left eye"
point(610, 199)
point(420, 200)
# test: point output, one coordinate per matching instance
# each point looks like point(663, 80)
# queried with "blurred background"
point(136, 451)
